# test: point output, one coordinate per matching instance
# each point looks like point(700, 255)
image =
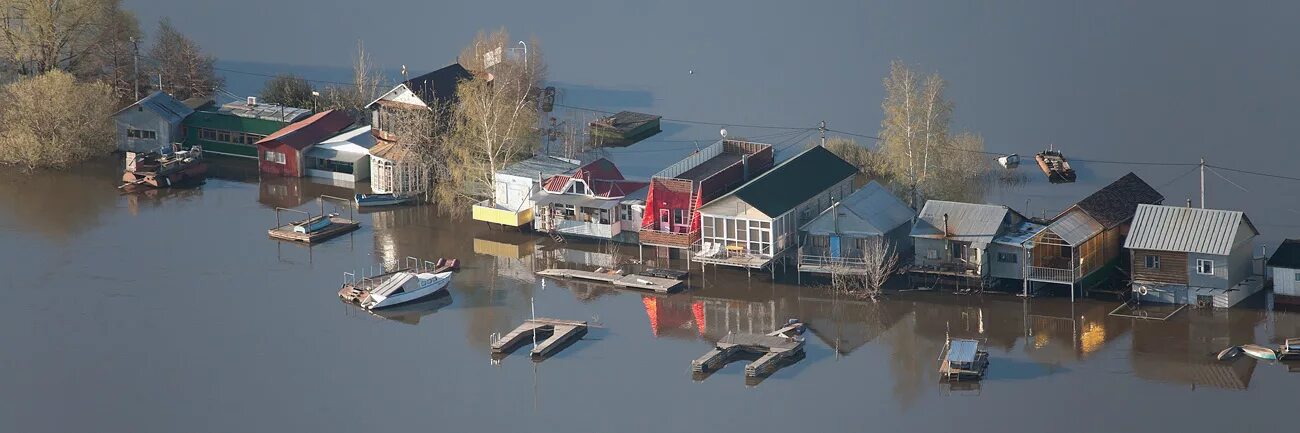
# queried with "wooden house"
point(672, 217)
point(595, 201)
point(1285, 264)
point(1083, 245)
point(393, 166)
point(758, 222)
point(283, 152)
point(234, 129)
point(955, 242)
point(1185, 255)
point(836, 238)
point(150, 123)
point(515, 187)
point(344, 157)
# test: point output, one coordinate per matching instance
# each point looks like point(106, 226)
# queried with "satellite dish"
point(723, 132)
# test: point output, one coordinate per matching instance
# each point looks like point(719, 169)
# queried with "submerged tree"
point(52, 120)
point(917, 150)
point(186, 72)
point(879, 262)
point(288, 90)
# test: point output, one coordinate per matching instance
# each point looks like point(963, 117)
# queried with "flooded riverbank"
point(173, 311)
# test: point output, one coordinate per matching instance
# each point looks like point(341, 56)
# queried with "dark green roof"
point(795, 181)
point(230, 122)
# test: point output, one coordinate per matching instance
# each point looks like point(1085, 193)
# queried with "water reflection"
point(60, 204)
point(291, 192)
point(1181, 350)
point(411, 313)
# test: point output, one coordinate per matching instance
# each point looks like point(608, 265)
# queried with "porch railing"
point(1053, 275)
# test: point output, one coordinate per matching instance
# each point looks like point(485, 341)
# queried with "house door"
point(835, 246)
point(665, 220)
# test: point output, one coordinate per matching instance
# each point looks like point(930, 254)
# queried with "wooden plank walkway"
point(774, 348)
point(559, 333)
point(338, 226)
point(635, 281)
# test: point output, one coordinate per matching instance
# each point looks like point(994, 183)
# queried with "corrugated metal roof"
point(870, 211)
point(1018, 235)
point(166, 106)
point(543, 165)
point(1185, 229)
point(350, 146)
point(265, 111)
point(962, 350)
point(1075, 226)
point(309, 131)
point(974, 223)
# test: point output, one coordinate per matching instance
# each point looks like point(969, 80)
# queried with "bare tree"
point(902, 126)
point(288, 90)
point(43, 35)
point(52, 120)
point(364, 89)
point(186, 72)
point(421, 135)
point(879, 262)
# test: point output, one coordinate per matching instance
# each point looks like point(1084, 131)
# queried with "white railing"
point(831, 262)
point(692, 161)
point(604, 231)
point(1055, 275)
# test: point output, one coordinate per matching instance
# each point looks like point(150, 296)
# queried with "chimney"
point(744, 160)
point(946, 232)
point(1189, 203)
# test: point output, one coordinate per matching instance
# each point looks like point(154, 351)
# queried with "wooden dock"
point(635, 281)
point(338, 226)
point(557, 333)
point(773, 348)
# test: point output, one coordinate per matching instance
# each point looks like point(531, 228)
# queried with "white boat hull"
point(430, 284)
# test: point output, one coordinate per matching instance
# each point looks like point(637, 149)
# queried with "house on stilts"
point(1194, 256)
point(837, 240)
point(758, 223)
point(957, 244)
point(672, 218)
point(595, 201)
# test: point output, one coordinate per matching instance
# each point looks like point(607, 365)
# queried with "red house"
point(671, 210)
point(281, 153)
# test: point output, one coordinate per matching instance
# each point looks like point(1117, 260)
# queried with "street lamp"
point(525, 54)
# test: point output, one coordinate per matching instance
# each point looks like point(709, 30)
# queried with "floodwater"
point(172, 311)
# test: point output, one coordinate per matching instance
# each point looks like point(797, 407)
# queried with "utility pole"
point(1202, 183)
point(822, 128)
point(135, 67)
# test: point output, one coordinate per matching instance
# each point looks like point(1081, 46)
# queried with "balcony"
point(812, 261)
point(587, 229)
point(487, 211)
point(1050, 275)
point(653, 236)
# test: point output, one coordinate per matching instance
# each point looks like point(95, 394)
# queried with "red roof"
point(601, 176)
point(310, 131)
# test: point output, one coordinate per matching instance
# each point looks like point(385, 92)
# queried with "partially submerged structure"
point(516, 185)
point(150, 124)
point(1184, 255)
point(395, 167)
point(623, 128)
point(836, 239)
point(234, 129)
point(954, 242)
point(759, 222)
point(1285, 264)
point(595, 201)
point(344, 157)
point(673, 201)
point(1082, 245)
point(283, 153)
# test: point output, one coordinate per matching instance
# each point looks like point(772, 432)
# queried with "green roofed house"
point(233, 129)
point(756, 224)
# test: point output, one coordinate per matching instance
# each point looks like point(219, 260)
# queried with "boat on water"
point(1055, 166)
point(371, 200)
point(164, 169)
point(1259, 352)
point(396, 288)
point(963, 360)
point(1229, 353)
point(313, 224)
point(1009, 161)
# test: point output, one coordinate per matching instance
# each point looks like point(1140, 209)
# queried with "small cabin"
point(1285, 264)
point(235, 128)
point(963, 361)
point(515, 186)
point(837, 238)
point(283, 153)
point(954, 240)
point(1185, 255)
point(150, 124)
point(676, 193)
point(593, 202)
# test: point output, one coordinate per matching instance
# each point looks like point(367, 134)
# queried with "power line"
point(694, 122)
point(1256, 173)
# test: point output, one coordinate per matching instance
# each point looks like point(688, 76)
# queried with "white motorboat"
point(403, 287)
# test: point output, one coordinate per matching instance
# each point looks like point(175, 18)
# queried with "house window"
point(223, 136)
point(141, 134)
point(624, 213)
point(207, 134)
point(1297, 276)
point(276, 157)
point(679, 216)
point(1007, 258)
point(578, 187)
point(1205, 267)
point(932, 254)
point(1153, 262)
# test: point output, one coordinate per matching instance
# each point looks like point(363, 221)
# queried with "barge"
point(1055, 166)
point(162, 170)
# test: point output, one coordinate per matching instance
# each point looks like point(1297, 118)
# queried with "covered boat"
point(368, 200)
point(164, 169)
point(312, 224)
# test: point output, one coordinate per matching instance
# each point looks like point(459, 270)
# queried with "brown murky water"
point(172, 311)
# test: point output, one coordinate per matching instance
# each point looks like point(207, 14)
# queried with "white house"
point(516, 185)
point(344, 157)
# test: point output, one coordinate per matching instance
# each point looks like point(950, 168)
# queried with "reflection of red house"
point(281, 153)
point(671, 211)
point(671, 318)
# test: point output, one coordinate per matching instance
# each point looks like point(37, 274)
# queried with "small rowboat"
point(1259, 352)
point(312, 224)
point(1229, 353)
point(1054, 165)
point(369, 200)
point(1010, 161)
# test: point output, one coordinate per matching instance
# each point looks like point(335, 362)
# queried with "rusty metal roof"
point(1186, 229)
